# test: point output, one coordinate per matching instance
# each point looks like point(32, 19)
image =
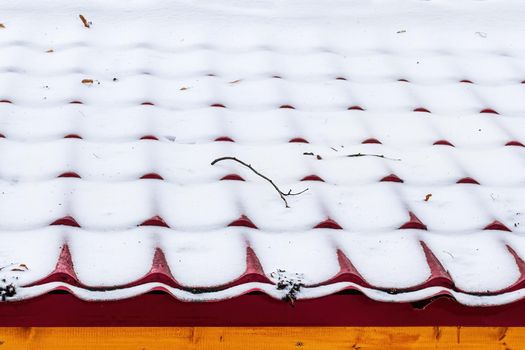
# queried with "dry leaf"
point(87, 81)
point(20, 267)
point(50, 50)
point(84, 21)
point(184, 88)
point(235, 81)
point(2, 25)
point(427, 197)
point(319, 157)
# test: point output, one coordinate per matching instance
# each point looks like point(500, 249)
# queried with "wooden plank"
point(265, 338)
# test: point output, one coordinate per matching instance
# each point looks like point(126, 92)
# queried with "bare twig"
point(371, 155)
point(312, 154)
point(281, 193)
point(355, 155)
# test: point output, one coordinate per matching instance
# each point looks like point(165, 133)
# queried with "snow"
point(37, 250)
point(477, 262)
point(108, 259)
point(387, 259)
point(159, 67)
point(205, 259)
point(310, 254)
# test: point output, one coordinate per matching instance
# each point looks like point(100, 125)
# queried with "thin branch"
point(281, 193)
point(371, 155)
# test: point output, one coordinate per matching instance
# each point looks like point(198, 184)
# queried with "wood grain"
point(298, 338)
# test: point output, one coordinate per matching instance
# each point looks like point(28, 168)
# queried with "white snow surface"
point(389, 57)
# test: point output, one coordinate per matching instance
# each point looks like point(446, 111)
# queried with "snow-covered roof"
point(402, 120)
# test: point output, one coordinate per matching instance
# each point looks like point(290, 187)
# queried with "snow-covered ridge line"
point(334, 49)
point(270, 290)
point(227, 80)
point(343, 52)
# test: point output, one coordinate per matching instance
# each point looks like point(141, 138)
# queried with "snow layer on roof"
point(404, 120)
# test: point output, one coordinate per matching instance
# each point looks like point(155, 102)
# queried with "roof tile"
point(325, 121)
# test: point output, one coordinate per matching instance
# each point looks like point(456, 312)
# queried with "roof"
point(401, 125)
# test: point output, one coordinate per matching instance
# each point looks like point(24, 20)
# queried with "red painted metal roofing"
point(162, 310)
point(213, 166)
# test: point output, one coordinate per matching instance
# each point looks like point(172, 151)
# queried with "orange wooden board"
point(298, 338)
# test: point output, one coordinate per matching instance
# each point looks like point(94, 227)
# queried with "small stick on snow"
point(281, 193)
point(371, 155)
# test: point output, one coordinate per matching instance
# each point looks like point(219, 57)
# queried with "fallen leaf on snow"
point(50, 50)
point(2, 25)
point(87, 81)
point(20, 267)
point(84, 21)
point(427, 197)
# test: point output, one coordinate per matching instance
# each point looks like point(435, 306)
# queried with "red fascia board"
point(256, 309)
